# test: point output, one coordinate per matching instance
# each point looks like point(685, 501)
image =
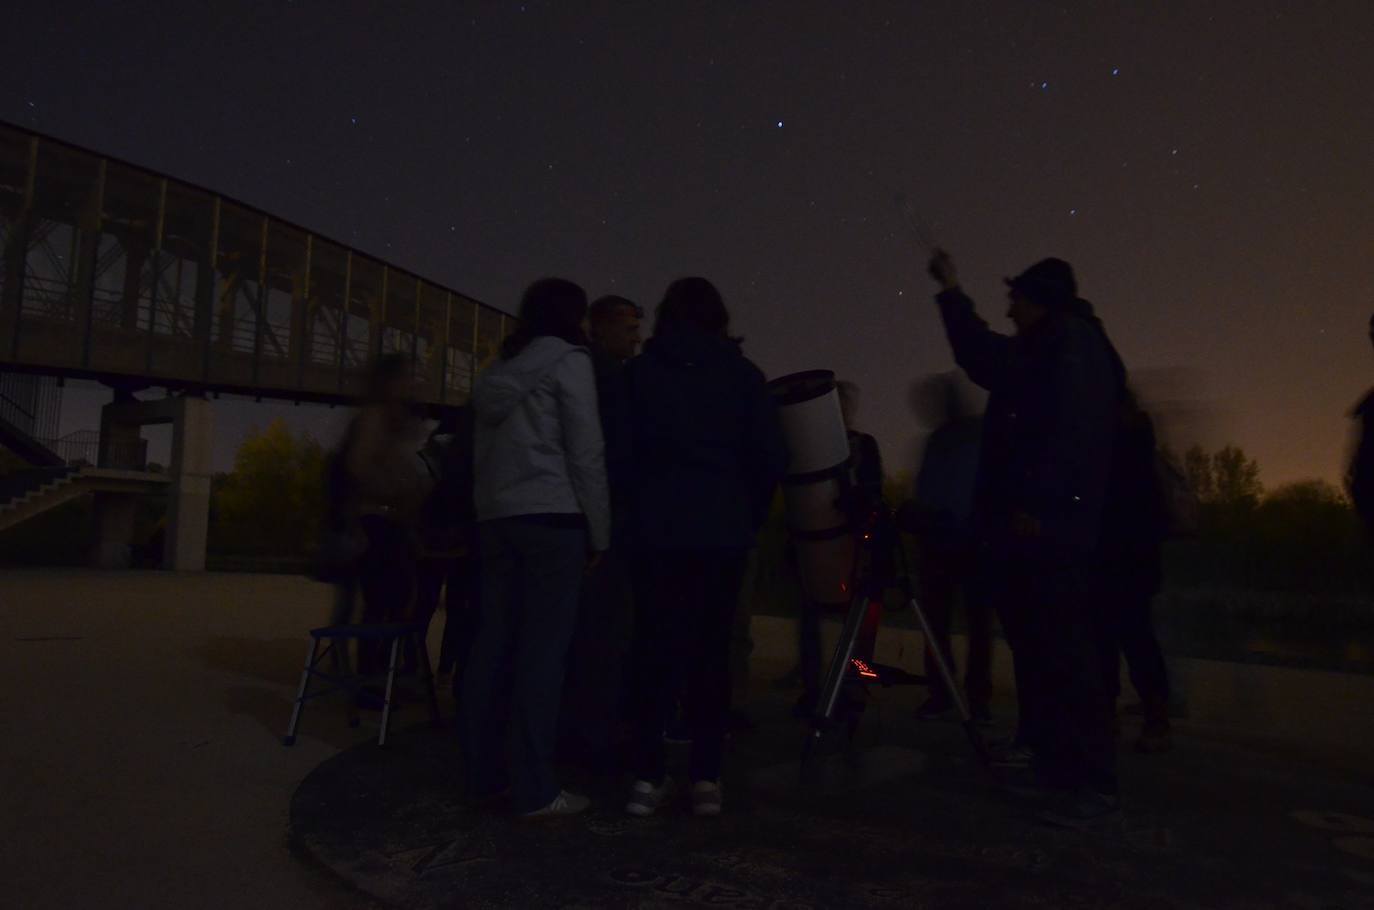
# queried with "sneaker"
point(706, 798)
point(935, 709)
point(645, 798)
point(1081, 810)
point(564, 803)
point(1012, 756)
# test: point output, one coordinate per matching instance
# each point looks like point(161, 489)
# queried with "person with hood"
point(709, 453)
point(1044, 466)
point(543, 516)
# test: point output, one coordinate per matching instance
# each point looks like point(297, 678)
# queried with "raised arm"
point(981, 352)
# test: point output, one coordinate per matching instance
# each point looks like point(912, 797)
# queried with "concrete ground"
point(141, 724)
point(142, 767)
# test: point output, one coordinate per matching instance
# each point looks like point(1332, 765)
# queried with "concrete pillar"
point(188, 511)
point(114, 529)
point(120, 434)
point(114, 513)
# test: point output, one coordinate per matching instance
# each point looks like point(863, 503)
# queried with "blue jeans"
point(531, 574)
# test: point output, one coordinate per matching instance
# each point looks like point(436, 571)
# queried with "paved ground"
point(906, 819)
point(140, 727)
point(142, 767)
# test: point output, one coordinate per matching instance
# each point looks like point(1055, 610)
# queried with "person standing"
point(596, 681)
point(1135, 524)
point(1043, 473)
point(939, 518)
point(1359, 478)
point(543, 517)
point(709, 454)
point(376, 486)
point(448, 566)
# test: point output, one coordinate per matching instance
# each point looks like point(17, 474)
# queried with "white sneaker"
point(645, 798)
point(706, 798)
point(1013, 756)
point(564, 803)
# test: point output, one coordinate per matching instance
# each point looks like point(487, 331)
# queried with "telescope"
point(835, 540)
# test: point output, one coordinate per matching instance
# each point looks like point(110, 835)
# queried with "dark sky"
point(1207, 167)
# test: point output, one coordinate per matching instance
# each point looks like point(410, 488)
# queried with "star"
point(1073, 211)
point(1116, 71)
point(1044, 86)
point(779, 124)
point(354, 120)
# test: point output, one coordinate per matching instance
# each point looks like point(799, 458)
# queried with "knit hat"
point(1049, 282)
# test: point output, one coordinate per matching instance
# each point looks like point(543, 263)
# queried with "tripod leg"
point(951, 685)
point(839, 663)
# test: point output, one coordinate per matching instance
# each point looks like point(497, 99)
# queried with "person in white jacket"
point(543, 516)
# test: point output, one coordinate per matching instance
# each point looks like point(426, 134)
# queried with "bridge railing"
point(111, 270)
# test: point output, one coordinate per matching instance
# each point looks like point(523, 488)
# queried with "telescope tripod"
point(852, 665)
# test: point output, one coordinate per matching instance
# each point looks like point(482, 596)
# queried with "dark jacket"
point(1048, 429)
point(613, 394)
point(1135, 518)
point(708, 447)
point(1360, 474)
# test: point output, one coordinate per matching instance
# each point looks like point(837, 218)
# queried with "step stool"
point(334, 639)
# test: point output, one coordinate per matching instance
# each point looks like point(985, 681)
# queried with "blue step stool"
point(328, 640)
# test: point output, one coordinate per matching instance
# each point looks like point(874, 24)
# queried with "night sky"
point(1207, 167)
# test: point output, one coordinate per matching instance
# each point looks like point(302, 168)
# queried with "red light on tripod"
point(864, 669)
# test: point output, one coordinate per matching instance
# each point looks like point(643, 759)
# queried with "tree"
point(1197, 468)
point(1227, 477)
point(273, 498)
point(1236, 478)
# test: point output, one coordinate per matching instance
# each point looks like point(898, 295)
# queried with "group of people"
point(651, 473)
point(611, 499)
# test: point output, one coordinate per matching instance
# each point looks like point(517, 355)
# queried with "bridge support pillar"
point(188, 510)
point(115, 513)
point(188, 513)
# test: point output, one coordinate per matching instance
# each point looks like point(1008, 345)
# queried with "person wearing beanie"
point(1044, 466)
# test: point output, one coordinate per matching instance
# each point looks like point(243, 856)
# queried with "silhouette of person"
point(377, 483)
point(1134, 526)
point(1043, 472)
point(543, 515)
point(709, 454)
point(597, 661)
point(1359, 479)
point(939, 517)
point(448, 538)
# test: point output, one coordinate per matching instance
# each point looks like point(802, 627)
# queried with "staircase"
point(25, 494)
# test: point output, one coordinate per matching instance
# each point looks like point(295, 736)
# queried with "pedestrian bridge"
point(114, 272)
